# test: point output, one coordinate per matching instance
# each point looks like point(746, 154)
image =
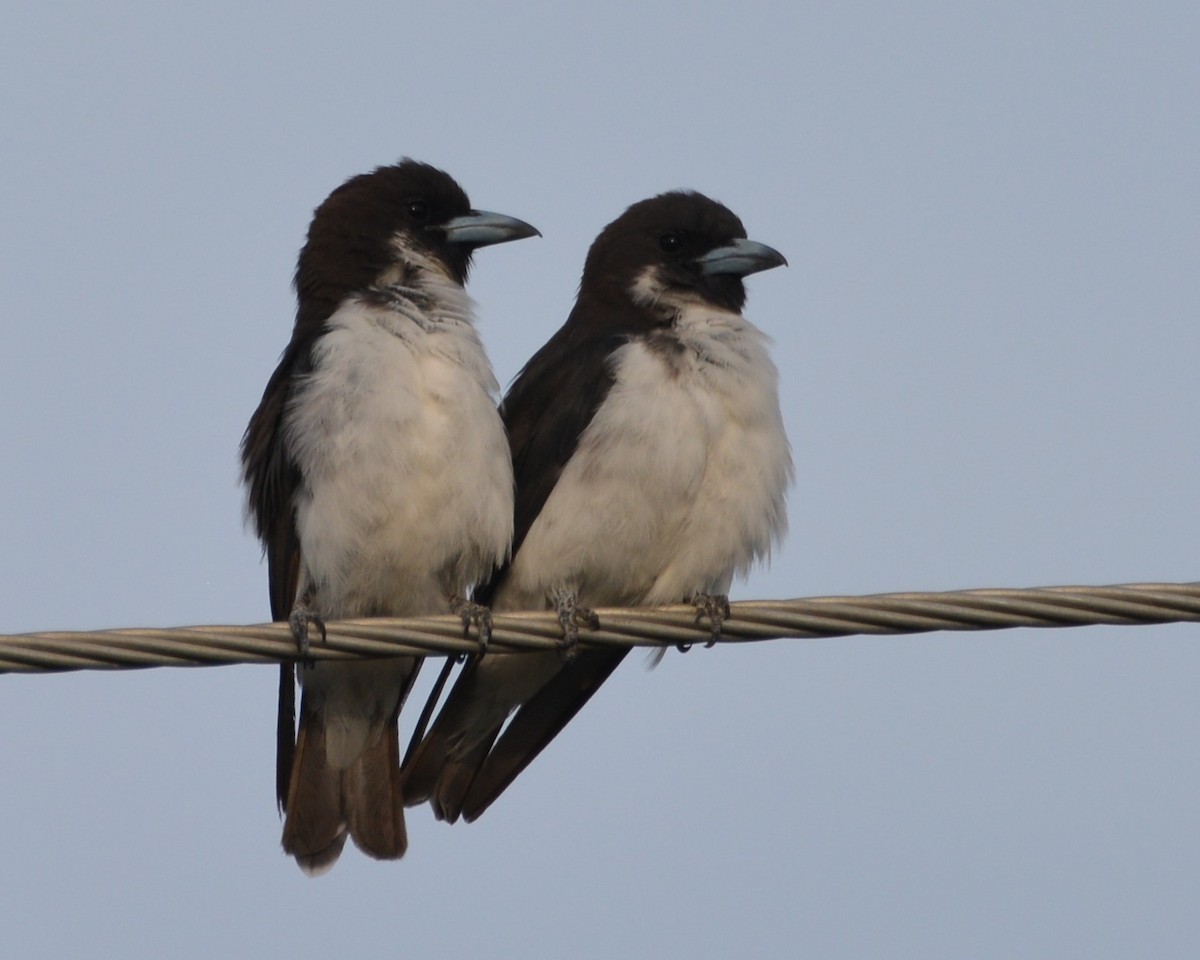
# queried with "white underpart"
point(408, 481)
point(678, 484)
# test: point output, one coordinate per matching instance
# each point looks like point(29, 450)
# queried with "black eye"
point(670, 242)
point(418, 210)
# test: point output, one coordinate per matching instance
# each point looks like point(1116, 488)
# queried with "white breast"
point(408, 481)
point(678, 484)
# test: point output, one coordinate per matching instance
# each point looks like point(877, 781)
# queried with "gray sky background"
point(988, 342)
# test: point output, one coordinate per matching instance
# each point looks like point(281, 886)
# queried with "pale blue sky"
point(987, 340)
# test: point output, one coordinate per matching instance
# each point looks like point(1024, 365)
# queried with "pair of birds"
point(638, 459)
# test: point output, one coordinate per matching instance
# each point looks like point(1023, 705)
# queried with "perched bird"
point(651, 466)
point(378, 479)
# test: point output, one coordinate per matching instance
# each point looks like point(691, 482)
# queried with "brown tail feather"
point(318, 863)
point(373, 800)
point(313, 832)
point(538, 722)
point(325, 805)
point(456, 779)
point(438, 770)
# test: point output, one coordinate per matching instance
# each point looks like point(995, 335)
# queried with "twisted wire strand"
point(810, 618)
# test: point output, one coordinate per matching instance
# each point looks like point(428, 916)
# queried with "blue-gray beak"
point(480, 229)
point(741, 258)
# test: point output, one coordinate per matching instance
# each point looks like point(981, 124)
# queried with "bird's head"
point(401, 215)
point(676, 248)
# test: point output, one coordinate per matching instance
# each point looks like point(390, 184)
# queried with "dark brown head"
point(680, 242)
point(364, 227)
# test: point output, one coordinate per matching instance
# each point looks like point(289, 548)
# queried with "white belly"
point(408, 493)
point(677, 485)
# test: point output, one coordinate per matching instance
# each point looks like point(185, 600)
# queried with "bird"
point(378, 478)
point(652, 467)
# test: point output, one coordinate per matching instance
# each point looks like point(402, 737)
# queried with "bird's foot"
point(571, 616)
point(714, 606)
point(299, 619)
point(476, 614)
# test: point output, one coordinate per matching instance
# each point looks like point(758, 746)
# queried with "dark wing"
point(546, 411)
point(271, 479)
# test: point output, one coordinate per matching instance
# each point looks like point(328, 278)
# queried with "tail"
point(538, 722)
point(464, 763)
point(362, 800)
point(444, 764)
